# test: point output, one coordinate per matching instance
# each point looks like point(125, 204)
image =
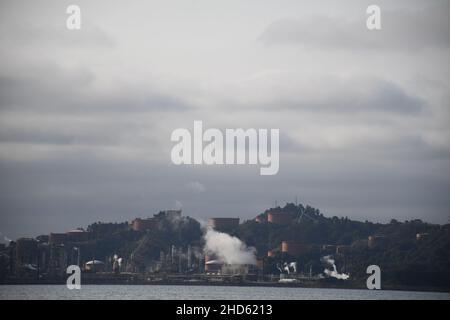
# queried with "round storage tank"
point(223, 224)
point(293, 248)
point(144, 224)
point(281, 218)
point(271, 253)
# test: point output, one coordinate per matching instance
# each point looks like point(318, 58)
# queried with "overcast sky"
point(86, 116)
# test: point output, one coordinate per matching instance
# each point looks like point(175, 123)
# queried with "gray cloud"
point(401, 29)
point(358, 95)
point(72, 91)
point(196, 187)
point(46, 27)
point(86, 118)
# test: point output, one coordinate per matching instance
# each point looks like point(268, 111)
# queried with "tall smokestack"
point(172, 258)
point(333, 273)
point(189, 253)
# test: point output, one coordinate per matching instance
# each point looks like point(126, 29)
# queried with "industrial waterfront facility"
point(171, 248)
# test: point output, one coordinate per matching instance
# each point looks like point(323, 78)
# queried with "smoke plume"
point(333, 273)
point(228, 249)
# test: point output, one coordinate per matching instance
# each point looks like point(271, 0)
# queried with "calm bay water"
point(202, 292)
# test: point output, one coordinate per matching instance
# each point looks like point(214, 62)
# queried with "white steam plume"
point(228, 249)
point(178, 205)
point(333, 273)
point(279, 268)
point(5, 238)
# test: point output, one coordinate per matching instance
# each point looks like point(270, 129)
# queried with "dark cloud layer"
point(72, 91)
point(350, 97)
point(59, 195)
point(86, 118)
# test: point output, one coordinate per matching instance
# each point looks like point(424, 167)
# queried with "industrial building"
point(280, 218)
point(57, 238)
point(95, 266)
point(144, 224)
point(26, 252)
point(172, 214)
point(78, 235)
point(213, 266)
point(238, 269)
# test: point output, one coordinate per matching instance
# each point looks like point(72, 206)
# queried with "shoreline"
point(233, 284)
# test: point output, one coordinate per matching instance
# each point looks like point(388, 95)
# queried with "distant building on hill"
point(281, 218)
point(139, 224)
point(223, 224)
